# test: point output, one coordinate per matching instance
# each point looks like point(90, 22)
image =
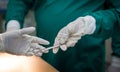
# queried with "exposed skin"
point(15, 63)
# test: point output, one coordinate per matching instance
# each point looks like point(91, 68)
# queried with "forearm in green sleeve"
point(17, 9)
point(108, 25)
point(105, 22)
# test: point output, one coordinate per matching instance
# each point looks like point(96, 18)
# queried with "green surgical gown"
point(88, 55)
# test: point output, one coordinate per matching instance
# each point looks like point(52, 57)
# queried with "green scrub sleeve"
point(105, 22)
point(17, 9)
point(106, 19)
point(108, 24)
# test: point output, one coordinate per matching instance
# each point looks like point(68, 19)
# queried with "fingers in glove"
point(61, 38)
point(70, 44)
point(40, 41)
point(36, 47)
point(55, 50)
point(72, 41)
point(39, 54)
point(36, 39)
point(67, 45)
point(63, 47)
point(31, 53)
point(56, 45)
point(63, 35)
point(27, 30)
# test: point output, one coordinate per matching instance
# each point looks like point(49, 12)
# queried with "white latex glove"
point(115, 65)
point(70, 34)
point(18, 42)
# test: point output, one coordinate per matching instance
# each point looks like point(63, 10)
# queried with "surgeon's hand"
point(70, 34)
point(20, 43)
point(115, 65)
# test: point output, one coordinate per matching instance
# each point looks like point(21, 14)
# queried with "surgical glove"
point(115, 65)
point(15, 25)
point(18, 42)
point(70, 34)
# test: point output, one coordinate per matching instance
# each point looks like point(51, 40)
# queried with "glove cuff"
point(13, 25)
point(115, 61)
point(90, 23)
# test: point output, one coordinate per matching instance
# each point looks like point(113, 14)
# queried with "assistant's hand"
point(115, 65)
point(70, 34)
point(18, 42)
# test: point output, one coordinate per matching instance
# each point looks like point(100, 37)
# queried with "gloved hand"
point(18, 42)
point(70, 34)
point(115, 65)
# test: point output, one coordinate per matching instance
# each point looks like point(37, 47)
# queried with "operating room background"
point(29, 21)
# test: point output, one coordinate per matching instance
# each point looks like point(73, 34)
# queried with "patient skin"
point(15, 63)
